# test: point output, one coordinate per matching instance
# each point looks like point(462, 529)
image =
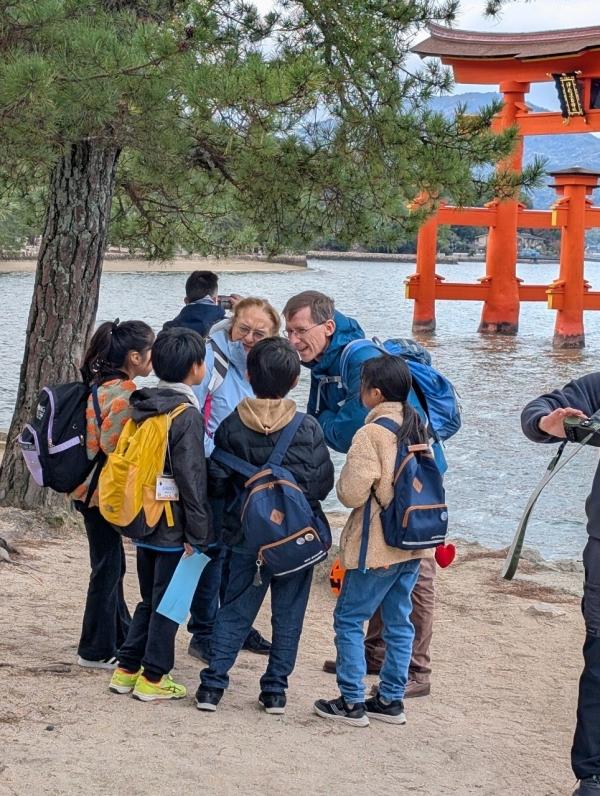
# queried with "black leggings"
point(106, 618)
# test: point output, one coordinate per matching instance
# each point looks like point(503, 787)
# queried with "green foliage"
point(239, 130)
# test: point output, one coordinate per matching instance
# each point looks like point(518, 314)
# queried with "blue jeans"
point(289, 597)
point(362, 593)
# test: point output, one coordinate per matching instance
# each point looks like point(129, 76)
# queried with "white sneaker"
point(106, 663)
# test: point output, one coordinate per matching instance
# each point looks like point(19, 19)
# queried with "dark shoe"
point(208, 698)
point(200, 650)
point(393, 713)
point(590, 786)
point(272, 703)
point(339, 710)
point(256, 643)
point(329, 667)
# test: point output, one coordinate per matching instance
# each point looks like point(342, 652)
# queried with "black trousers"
point(151, 639)
point(106, 617)
point(585, 754)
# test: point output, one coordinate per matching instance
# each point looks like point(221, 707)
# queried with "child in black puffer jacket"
point(250, 433)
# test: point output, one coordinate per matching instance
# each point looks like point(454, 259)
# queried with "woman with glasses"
point(224, 386)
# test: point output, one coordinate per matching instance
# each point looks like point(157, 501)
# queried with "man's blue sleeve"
point(339, 427)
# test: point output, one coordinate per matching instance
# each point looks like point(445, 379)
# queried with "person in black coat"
point(542, 420)
point(251, 433)
point(178, 361)
point(201, 310)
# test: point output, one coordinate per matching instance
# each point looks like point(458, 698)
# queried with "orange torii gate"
point(513, 61)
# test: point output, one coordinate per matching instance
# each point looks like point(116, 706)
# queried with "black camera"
point(578, 429)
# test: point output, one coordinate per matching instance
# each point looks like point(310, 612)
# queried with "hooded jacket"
point(234, 388)
point(339, 411)
point(583, 394)
point(251, 432)
point(200, 316)
point(370, 464)
point(191, 512)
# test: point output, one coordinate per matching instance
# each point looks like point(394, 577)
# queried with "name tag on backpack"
point(166, 488)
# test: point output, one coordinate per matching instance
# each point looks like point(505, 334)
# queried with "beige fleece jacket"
point(370, 463)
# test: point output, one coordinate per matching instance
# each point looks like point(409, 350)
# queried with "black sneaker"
point(208, 698)
point(199, 650)
point(590, 786)
point(393, 713)
point(256, 643)
point(271, 702)
point(339, 710)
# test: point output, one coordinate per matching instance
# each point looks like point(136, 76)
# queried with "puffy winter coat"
point(200, 316)
point(234, 388)
point(370, 464)
point(339, 411)
point(191, 513)
point(251, 432)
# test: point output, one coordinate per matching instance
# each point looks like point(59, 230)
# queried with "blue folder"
point(177, 599)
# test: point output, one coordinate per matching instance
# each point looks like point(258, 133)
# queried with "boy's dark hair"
point(200, 284)
point(391, 375)
point(109, 346)
point(273, 368)
point(175, 351)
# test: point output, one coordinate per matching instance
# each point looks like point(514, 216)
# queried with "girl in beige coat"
point(390, 573)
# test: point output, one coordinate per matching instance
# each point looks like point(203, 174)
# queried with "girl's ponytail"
point(109, 347)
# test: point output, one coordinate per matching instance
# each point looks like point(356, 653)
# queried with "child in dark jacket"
point(201, 310)
point(178, 361)
point(251, 433)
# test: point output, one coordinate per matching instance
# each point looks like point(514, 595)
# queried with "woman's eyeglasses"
point(245, 331)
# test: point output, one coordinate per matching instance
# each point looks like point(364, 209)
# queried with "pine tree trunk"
point(65, 296)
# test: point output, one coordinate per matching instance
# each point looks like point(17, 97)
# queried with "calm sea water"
point(492, 466)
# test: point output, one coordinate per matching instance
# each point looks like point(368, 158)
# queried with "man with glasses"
point(320, 333)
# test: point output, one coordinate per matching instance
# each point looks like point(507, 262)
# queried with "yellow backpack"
point(127, 484)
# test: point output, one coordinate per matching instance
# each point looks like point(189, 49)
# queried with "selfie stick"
point(514, 554)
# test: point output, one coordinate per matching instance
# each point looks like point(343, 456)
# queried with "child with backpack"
point(379, 574)
point(117, 354)
point(178, 361)
point(277, 464)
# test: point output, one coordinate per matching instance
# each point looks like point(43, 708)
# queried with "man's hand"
point(553, 424)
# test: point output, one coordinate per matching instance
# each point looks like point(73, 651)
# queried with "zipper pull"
point(257, 578)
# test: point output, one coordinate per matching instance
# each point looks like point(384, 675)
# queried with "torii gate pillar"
point(500, 314)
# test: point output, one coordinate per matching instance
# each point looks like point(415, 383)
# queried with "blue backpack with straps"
point(278, 523)
point(433, 392)
point(417, 517)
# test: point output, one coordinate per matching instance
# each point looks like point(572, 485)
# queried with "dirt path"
point(499, 719)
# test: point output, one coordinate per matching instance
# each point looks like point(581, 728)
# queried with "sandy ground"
point(499, 719)
point(178, 265)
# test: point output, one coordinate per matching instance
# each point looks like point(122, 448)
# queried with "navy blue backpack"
point(278, 524)
point(417, 517)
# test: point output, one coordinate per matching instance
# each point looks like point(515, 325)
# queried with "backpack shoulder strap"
point(235, 463)
point(220, 366)
point(96, 404)
point(388, 423)
point(285, 439)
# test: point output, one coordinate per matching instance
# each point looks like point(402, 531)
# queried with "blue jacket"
point(340, 412)
point(234, 388)
point(199, 315)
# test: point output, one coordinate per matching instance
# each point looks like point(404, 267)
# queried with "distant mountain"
point(560, 151)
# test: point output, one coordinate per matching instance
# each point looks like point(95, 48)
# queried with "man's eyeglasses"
point(257, 334)
point(301, 333)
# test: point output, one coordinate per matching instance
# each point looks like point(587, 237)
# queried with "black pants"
point(585, 754)
point(151, 639)
point(106, 617)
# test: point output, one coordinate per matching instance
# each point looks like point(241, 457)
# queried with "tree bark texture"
point(65, 297)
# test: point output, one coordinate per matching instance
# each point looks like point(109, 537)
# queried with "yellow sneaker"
point(166, 688)
point(123, 682)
